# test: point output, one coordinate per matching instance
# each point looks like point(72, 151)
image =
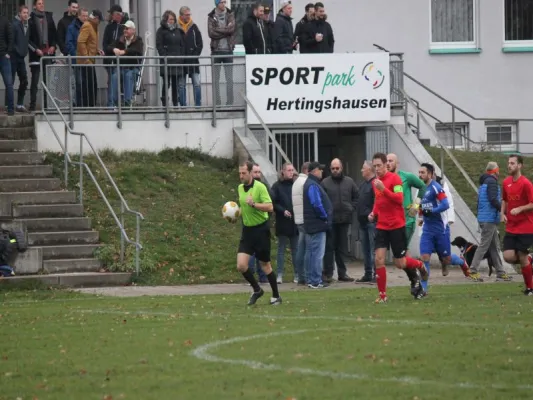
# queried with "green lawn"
point(462, 342)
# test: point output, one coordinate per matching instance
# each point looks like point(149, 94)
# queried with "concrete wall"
point(145, 135)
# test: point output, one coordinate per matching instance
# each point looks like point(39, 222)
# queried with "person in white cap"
point(129, 44)
point(283, 39)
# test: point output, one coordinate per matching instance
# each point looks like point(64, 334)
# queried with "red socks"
point(411, 263)
point(381, 280)
point(527, 273)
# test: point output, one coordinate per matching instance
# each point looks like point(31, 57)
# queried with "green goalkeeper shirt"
point(410, 181)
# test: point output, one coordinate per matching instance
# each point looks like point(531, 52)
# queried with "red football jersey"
point(516, 194)
point(388, 205)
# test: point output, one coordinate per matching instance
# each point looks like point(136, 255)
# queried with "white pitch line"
point(297, 317)
point(203, 353)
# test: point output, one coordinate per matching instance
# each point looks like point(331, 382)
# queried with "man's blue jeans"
point(253, 265)
point(299, 264)
point(197, 91)
point(129, 76)
point(367, 232)
point(315, 247)
point(7, 77)
point(282, 245)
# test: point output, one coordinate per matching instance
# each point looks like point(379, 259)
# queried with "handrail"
point(443, 147)
point(267, 130)
point(68, 160)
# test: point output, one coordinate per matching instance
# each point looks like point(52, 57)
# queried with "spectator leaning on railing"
point(170, 43)
point(193, 47)
point(222, 31)
point(301, 25)
point(42, 42)
point(88, 47)
point(21, 34)
point(73, 33)
point(129, 45)
point(283, 39)
point(318, 34)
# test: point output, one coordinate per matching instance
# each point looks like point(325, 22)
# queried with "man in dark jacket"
point(301, 25)
point(62, 26)
point(129, 45)
point(21, 35)
point(343, 193)
point(73, 32)
point(367, 229)
point(489, 204)
point(269, 29)
point(318, 34)
point(42, 42)
point(283, 39)
point(318, 216)
point(6, 49)
point(285, 227)
point(193, 48)
point(254, 35)
point(113, 31)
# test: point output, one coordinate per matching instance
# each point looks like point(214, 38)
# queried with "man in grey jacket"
point(343, 193)
point(298, 210)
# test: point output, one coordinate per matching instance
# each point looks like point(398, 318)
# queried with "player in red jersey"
point(389, 214)
point(517, 214)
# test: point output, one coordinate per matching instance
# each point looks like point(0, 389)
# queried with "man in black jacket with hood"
point(254, 32)
point(21, 35)
point(62, 26)
point(6, 48)
point(301, 25)
point(318, 34)
point(113, 31)
point(43, 42)
point(283, 39)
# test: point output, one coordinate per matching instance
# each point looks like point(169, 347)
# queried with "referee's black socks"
point(272, 279)
point(249, 276)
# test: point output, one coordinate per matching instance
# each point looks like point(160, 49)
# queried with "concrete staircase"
point(59, 235)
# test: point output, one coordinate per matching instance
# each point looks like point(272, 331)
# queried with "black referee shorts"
point(395, 239)
point(255, 240)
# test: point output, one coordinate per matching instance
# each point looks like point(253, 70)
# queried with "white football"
point(231, 211)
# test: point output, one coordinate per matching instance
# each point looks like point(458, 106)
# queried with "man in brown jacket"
point(87, 47)
point(221, 30)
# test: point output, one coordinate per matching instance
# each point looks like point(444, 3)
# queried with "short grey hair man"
point(488, 216)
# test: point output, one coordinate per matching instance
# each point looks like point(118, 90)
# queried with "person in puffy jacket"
point(170, 43)
point(489, 204)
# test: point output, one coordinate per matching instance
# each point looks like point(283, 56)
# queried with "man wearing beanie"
point(283, 39)
point(221, 30)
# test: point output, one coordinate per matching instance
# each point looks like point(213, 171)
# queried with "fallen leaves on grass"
point(188, 342)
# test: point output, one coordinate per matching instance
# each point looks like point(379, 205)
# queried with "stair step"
point(29, 185)
point(17, 121)
point(26, 171)
point(27, 145)
point(67, 237)
point(69, 251)
point(80, 279)
point(17, 133)
point(22, 158)
point(48, 210)
point(56, 224)
point(72, 265)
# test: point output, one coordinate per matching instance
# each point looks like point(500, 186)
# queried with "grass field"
point(463, 342)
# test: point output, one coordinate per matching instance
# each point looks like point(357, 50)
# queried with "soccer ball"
point(231, 211)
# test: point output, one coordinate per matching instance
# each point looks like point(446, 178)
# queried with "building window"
point(518, 23)
point(453, 24)
point(444, 133)
point(242, 10)
point(501, 135)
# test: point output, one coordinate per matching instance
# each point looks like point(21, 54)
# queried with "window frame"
point(510, 44)
point(514, 135)
point(474, 44)
point(465, 130)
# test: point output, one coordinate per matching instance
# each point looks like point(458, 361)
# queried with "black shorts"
point(395, 239)
point(517, 242)
point(255, 240)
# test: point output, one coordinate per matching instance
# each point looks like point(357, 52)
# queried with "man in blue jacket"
point(318, 219)
point(489, 203)
point(71, 45)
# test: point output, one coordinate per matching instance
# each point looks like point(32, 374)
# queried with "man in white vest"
point(298, 209)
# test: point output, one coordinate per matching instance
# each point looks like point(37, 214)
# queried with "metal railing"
point(147, 84)
point(455, 123)
point(124, 208)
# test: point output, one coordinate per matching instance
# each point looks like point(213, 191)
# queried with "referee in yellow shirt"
point(255, 203)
